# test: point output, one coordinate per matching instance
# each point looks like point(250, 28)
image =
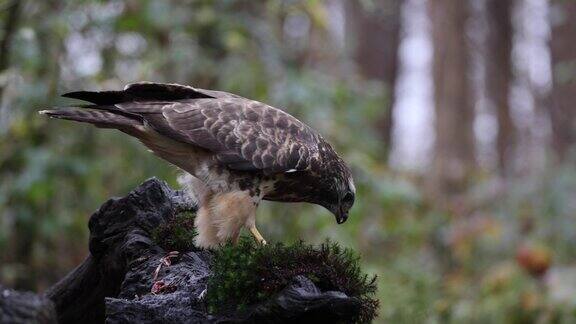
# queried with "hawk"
point(238, 151)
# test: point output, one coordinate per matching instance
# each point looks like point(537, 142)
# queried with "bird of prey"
point(239, 151)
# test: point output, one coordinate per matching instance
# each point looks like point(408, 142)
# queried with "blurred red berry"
point(535, 259)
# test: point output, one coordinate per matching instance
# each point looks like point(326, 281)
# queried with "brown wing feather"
point(245, 134)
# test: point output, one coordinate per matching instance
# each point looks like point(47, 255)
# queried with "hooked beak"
point(341, 217)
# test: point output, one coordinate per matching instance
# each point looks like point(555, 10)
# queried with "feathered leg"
point(222, 216)
point(206, 237)
point(230, 213)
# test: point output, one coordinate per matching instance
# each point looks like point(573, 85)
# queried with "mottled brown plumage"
point(239, 151)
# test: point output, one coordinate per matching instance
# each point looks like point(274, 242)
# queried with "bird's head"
point(341, 195)
point(336, 191)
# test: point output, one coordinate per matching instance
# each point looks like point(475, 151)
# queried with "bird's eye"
point(348, 198)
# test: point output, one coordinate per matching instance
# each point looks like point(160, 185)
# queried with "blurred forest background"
point(458, 118)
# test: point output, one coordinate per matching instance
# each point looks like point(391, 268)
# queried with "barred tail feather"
point(99, 118)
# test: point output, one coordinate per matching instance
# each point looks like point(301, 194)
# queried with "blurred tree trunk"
point(11, 19)
point(375, 35)
point(454, 157)
point(20, 249)
point(499, 76)
point(562, 104)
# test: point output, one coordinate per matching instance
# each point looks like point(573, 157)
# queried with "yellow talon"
point(257, 235)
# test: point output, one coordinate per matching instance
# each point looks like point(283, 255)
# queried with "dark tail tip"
point(99, 98)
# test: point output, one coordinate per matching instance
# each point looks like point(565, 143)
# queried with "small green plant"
point(177, 234)
point(247, 274)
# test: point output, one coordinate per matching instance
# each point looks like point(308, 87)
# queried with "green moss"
point(176, 234)
point(240, 271)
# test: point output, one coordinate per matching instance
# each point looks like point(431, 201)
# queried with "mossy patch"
point(177, 234)
point(246, 274)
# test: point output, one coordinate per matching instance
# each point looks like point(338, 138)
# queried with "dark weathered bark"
point(79, 296)
point(563, 55)
point(25, 307)
point(499, 76)
point(120, 232)
point(300, 302)
point(454, 147)
point(114, 283)
point(374, 34)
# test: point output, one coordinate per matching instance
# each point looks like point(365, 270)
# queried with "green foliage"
point(177, 234)
point(249, 273)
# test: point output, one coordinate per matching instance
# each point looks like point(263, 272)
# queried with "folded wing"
point(244, 134)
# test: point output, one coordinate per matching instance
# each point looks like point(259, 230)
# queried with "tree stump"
point(25, 307)
point(115, 282)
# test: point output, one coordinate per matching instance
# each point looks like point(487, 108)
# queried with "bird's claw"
point(257, 236)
